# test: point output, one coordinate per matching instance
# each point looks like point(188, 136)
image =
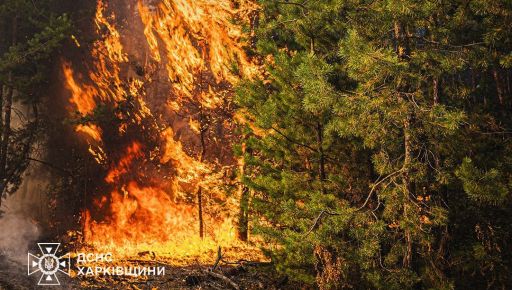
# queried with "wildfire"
point(198, 38)
point(152, 181)
point(92, 130)
point(82, 96)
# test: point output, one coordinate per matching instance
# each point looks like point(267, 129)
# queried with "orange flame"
point(82, 96)
point(92, 130)
point(196, 36)
point(153, 206)
point(123, 167)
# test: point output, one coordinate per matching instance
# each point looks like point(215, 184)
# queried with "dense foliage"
point(30, 33)
point(378, 153)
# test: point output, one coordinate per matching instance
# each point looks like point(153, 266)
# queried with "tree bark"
point(407, 184)
point(243, 221)
point(435, 84)
point(200, 211)
point(508, 84)
point(2, 90)
point(243, 217)
point(402, 47)
point(321, 167)
point(6, 135)
point(199, 189)
point(402, 50)
point(2, 87)
point(499, 88)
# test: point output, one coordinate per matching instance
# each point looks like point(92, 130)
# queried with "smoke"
point(17, 234)
point(23, 213)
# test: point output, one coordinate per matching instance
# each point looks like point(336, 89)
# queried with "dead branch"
point(324, 212)
point(223, 278)
point(241, 262)
point(49, 165)
point(375, 186)
point(318, 219)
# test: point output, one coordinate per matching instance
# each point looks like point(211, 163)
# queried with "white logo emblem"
point(48, 263)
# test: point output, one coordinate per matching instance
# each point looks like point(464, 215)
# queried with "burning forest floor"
point(13, 276)
point(198, 277)
point(182, 273)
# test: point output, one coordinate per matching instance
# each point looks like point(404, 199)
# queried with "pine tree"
point(381, 142)
point(304, 176)
point(29, 35)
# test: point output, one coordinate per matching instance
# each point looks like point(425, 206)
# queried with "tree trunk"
point(402, 50)
point(402, 47)
point(254, 22)
point(508, 85)
point(6, 135)
point(407, 184)
point(499, 88)
point(243, 220)
point(2, 87)
point(200, 211)
point(199, 189)
point(435, 84)
point(321, 166)
point(243, 217)
point(509, 92)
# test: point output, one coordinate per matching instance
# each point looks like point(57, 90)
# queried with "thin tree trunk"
point(3, 88)
point(243, 221)
point(199, 189)
point(407, 184)
point(243, 217)
point(1, 138)
point(402, 50)
point(323, 175)
point(435, 84)
point(255, 19)
point(2, 93)
point(508, 84)
point(202, 130)
point(200, 208)
point(499, 88)
point(6, 135)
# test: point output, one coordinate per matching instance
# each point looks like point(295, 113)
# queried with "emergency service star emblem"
point(48, 263)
